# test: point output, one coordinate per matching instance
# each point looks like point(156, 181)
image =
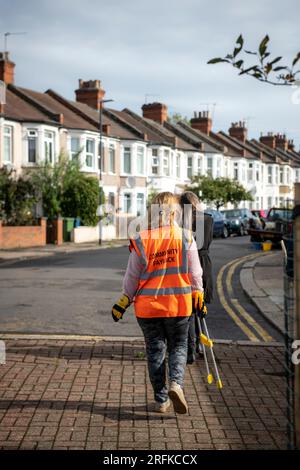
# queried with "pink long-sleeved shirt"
point(135, 268)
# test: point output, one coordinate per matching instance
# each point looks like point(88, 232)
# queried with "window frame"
point(10, 136)
point(90, 154)
point(130, 199)
point(143, 204)
point(138, 155)
point(166, 157)
point(32, 135)
point(112, 152)
point(189, 166)
point(127, 151)
point(49, 142)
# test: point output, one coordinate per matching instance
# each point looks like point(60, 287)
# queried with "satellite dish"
point(130, 181)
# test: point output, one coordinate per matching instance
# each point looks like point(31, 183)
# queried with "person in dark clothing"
point(191, 198)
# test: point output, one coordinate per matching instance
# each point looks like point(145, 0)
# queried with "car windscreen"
point(277, 214)
point(231, 214)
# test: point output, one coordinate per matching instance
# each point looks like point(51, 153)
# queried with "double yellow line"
point(243, 320)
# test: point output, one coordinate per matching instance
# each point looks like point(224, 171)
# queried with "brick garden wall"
point(23, 236)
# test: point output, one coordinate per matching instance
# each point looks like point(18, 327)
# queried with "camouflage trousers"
point(164, 335)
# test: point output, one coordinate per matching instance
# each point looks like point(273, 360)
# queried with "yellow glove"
point(199, 306)
point(120, 307)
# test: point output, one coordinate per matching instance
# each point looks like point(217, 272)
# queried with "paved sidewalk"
point(262, 280)
point(19, 254)
point(95, 394)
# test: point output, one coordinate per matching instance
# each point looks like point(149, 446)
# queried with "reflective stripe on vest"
point(165, 291)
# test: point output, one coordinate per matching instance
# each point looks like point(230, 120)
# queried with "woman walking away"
point(163, 277)
point(191, 199)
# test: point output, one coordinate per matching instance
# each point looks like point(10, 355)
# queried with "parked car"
point(261, 214)
point(241, 220)
point(221, 226)
point(278, 223)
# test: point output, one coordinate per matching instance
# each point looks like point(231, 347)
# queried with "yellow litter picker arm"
point(208, 343)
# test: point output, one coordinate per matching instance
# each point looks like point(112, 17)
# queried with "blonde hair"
point(167, 204)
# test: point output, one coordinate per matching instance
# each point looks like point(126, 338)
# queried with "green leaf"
point(263, 45)
point(250, 52)
point(240, 43)
point(249, 69)
point(239, 63)
point(217, 60)
point(275, 60)
point(279, 68)
point(240, 40)
point(296, 59)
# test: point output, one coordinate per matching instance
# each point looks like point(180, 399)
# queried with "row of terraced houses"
point(140, 153)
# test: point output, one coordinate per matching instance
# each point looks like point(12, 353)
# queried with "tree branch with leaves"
point(267, 69)
point(219, 191)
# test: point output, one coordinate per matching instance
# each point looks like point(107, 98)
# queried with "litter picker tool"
point(208, 343)
point(202, 340)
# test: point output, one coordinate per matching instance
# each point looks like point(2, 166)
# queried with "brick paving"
point(66, 394)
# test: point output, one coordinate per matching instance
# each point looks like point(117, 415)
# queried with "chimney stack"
point(239, 131)
point(7, 69)
point(281, 142)
point(268, 140)
point(156, 112)
point(202, 122)
point(291, 145)
point(90, 93)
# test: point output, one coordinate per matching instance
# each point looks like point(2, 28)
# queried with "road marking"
point(230, 311)
point(259, 329)
point(247, 331)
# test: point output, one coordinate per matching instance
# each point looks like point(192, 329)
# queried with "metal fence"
point(289, 327)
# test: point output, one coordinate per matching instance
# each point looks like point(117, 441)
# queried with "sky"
point(158, 51)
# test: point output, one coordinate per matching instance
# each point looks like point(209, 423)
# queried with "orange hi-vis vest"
point(164, 288)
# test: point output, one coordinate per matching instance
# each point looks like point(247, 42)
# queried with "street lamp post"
point(100, 162)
